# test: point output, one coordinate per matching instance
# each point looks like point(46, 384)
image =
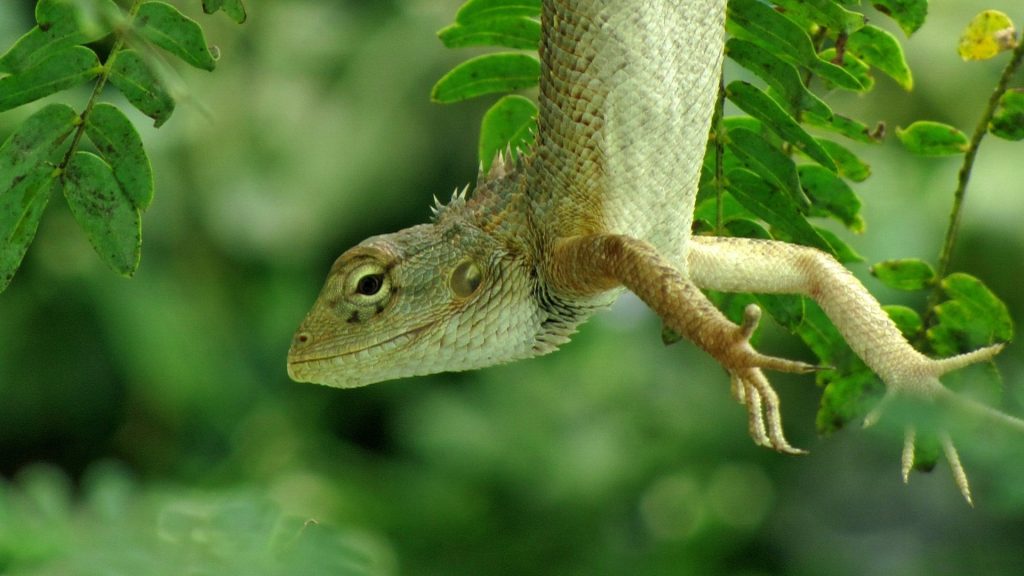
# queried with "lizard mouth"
point(311, 368)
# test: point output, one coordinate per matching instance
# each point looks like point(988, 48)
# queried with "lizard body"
point(603, 203)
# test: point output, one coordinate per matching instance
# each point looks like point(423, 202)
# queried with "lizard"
point(602, 203)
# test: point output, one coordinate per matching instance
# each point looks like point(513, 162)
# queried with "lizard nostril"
point(301, 338)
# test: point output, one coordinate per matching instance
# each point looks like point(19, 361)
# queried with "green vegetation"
point(148, 427)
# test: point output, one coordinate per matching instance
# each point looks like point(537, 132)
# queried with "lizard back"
point(627, 90)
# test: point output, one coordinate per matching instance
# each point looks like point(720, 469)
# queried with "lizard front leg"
point(587, 265)
point(762, 266)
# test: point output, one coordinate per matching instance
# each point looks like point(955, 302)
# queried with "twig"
point(965, 173)
point(96, 91)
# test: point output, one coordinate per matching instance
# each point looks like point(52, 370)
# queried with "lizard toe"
point(763, 415)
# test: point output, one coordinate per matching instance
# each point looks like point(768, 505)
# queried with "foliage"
point(614, 456)
point(44, 531)
point(793, 48)
point(107, 192)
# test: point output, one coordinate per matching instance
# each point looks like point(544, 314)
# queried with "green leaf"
point(1008, 120)
point(26, 175)
point(927, 451)
point(972, 317)
point(853, 65)
point(509, 123)
point(909, 14)
point(103, 211)
point(850, 166)
point(761, 106)
point(822, 337)
point(881, 50)
point(907, 320)
point(786, 309)
point(988, 34)
point(848, 127)
point(745, 123)
point(521, 33)
point(746, 228)
point(707, 210)
point(843, 251)
point(825, 12)
point(908, 274)
point(831, 196)
point(76, 13)
point(502, 72)
point(163, 25)
point(768, 161)
point(847, 397)
point(781, 36)
point(137, 82)
point(60, 26)
point(233, 8)
point(779, 74)
point(476, 10)
point(119, 144)
point(59, 71)
point(928, 138)
point(35, 45)
point(774, 207)
point(850, 386)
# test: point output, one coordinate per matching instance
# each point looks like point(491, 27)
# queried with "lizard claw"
point(754, 391)
point(923, 383)
point(751, 388)
point(952, 457)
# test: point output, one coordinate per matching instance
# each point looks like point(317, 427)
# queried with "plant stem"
point(97, 90)
point(965, 172)
point(719, 155)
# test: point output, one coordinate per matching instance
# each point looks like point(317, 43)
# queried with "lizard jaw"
point(327, 369)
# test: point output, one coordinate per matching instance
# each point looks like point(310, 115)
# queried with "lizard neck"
point(501, 207)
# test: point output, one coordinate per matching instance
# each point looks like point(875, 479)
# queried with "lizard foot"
point(752, 389)
point(922, 382)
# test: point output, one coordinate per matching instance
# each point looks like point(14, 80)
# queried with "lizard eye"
point(368, 284)
point(466, 278)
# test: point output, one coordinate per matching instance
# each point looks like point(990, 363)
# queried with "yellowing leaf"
point(988, 34)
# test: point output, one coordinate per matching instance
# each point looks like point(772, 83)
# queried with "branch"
point(965, 172)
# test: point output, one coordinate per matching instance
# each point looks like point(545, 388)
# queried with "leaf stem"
point(965, 173)
point(96, 91)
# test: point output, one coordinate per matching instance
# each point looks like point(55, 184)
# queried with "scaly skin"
point(604, 202)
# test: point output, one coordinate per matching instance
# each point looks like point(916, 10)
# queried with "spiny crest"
point(458, 200)
point(504, 163)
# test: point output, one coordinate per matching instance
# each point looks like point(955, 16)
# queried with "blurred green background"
point(147, 426)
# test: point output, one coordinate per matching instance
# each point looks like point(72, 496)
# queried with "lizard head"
point(435, 297)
